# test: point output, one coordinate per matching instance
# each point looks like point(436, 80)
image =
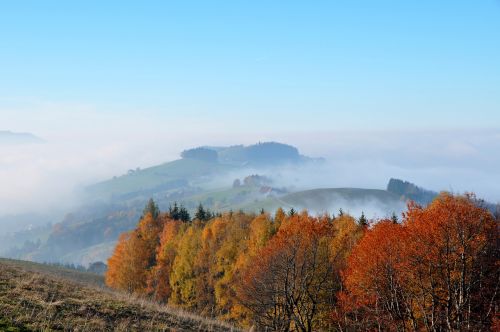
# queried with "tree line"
point(435, 270)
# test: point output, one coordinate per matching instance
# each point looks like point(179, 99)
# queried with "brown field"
point(36, 297)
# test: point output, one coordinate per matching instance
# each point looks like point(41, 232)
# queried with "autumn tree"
point(232, 245)
point(128, 267)
point(279, 217)
point(135, 254)
point(159, 280)
point(253, 236)
point(206, 263)
point(452, 263)
point(438, 270)
point(183, 277)
point(290, 282)
point(116, 274)
point(373, 296)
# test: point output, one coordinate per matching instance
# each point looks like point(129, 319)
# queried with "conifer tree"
point(151, 207)
point(362, 220)
point(394, 218)
point(174, 211)
point(201, 213)
point(184, 214)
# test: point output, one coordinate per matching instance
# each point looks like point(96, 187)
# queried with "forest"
point(435, 268)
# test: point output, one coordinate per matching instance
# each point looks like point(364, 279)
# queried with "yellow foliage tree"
point(183, 276)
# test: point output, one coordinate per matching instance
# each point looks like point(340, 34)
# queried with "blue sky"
point(407, 89)
point(278, 65)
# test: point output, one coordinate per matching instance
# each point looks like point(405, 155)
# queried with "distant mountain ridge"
point(9, 137)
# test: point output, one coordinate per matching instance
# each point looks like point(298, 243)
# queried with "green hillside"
point(171, 175)
point(224, 199)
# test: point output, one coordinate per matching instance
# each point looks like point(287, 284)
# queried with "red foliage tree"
point(437, 271)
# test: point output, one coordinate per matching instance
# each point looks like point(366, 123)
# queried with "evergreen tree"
point(394, 218)
point(184, 214)
point(151, 207)
point(341, 212)
point(292, 212)
point(174, 211)
point(201, 214)
point(362, 220)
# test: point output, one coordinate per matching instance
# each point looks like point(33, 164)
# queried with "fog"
point(40, 178)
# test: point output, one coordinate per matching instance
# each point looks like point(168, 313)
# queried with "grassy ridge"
point(152, 177)
point(35, 297)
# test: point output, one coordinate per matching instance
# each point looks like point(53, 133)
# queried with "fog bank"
point(42, 177)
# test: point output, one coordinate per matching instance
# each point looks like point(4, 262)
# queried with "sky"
point(413, 86)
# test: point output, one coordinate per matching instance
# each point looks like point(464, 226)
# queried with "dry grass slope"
point(34, 297)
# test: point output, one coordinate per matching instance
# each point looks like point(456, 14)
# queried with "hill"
point(353, 200)
point(407, 190)
point(261, 154)
point(40, 297)
point(174, 175)
point(88, 235)
point(196, 167)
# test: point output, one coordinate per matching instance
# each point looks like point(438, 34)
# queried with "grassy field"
point(35, 297)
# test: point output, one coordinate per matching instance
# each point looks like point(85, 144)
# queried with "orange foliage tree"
point(290, 282)
point(159, 280)
point(452, 266)
point(134, 258)
point(436, 271)
point(374, 296)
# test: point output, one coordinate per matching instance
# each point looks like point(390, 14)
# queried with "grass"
point(151, 177)
point(227, 198)
point(327, 195)
point(34, 297)
point(322, 200)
